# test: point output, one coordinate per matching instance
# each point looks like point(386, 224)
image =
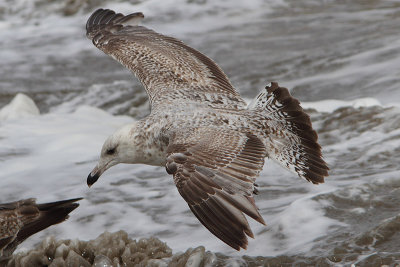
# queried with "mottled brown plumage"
point(200, 128)
point(21, 219)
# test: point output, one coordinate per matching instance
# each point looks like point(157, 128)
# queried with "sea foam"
point(21, 106)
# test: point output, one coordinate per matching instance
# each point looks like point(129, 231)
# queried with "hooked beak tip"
point(92, 179)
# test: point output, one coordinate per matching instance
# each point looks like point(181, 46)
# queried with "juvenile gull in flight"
point(21, 219)
point(200, 128)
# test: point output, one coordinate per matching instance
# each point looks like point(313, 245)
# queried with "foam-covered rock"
point(109, 249)
point(21, 106)
point(116, 249)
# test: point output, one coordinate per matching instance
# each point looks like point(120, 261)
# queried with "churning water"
point(340, 58)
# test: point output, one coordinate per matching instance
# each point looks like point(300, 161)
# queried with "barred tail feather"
point(291, 140)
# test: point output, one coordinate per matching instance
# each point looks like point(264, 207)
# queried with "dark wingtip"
point(49, 214)
point(66, 203)
point(105, 17)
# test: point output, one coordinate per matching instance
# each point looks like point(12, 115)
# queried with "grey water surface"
point(319, 49)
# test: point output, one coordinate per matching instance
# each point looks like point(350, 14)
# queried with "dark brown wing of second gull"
point(21, 219)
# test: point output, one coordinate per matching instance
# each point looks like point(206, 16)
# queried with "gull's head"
point(120, 147)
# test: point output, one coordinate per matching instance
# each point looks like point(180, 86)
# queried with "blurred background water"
point(340, 58)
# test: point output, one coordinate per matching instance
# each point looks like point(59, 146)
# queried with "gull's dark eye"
point(110, 151)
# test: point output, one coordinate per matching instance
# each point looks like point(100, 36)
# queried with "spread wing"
point(168, 69)
point(214, 171)
point(21, 219)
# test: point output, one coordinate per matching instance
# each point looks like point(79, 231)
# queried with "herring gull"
point(21, 219)
point(201, 129)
